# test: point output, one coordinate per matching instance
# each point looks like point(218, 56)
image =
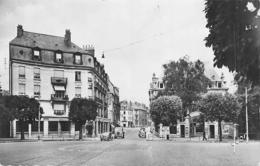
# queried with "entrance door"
point(212, 131)
point(182, 131)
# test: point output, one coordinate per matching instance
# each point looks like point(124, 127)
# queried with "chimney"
point(19, 31)
point(90, 49)
point(67, 38)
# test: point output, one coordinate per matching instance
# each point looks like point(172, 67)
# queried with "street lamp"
point(247, 137)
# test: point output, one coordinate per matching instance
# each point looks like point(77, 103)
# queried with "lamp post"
point(247, 137)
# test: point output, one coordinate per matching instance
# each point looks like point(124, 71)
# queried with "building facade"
point(156, 86)
point(113, 105)
point(189, 126)
point(134, 114)
point(54, 70)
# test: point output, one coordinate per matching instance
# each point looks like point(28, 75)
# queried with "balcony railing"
point(98, 100)
point(59, 98)
point(59, 80)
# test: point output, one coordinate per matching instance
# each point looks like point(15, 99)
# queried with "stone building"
point(189, 126)
point(134, 114)
point(156, 86)
point(54, 70)
point(113, 105)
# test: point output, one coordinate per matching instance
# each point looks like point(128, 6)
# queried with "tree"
point(166, 110)
point(24, 109)
point(234, 36)
point(185, 79)
point(218, 107)
point(82, 110)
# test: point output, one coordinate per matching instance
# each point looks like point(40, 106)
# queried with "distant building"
point(54, 70)
point(156, 86)
point(134, 114)
point(113, 104)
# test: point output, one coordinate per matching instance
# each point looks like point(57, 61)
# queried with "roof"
point(43, 41)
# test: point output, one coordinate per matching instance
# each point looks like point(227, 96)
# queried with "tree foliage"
point(185, 79)
point(218, 107)
point(234, 36)
point(166, 110)
point(82, 110)
point(22, 108)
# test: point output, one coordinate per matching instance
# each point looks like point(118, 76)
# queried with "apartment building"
point(54, 70)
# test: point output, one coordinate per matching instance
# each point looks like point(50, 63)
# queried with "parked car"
point(119, 132)
point(107, 136)
point(142, 133)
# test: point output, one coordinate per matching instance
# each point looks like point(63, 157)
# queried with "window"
point(58, 73)
point(161, 85)
point(37, 90)
point(36, 54)
point(21, 89)
point(21, 72)
point(58, 57)
point(90, 85)
point(89, 79)
point(77, 59)
point(36, 74)
point(78, 92)
point(77, 76)
point(219, 85)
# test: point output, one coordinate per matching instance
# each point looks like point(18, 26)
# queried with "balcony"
point(59, 81)
point(56, 97)
point(98, 100)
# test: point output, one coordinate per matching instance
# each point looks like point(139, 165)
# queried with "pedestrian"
point(204, 136)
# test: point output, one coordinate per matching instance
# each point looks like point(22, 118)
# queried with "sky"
point(136, 36)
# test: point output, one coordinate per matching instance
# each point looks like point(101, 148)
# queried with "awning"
point(59, 88)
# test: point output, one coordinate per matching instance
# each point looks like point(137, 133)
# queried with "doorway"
point(212, 131)
point(182, 131)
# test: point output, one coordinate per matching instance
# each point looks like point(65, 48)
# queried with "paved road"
point(131, 151)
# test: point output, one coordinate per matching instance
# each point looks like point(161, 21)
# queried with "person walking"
point(204, 136)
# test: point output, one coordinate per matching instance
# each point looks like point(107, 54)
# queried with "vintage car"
point(107, 136)
point(119, 132)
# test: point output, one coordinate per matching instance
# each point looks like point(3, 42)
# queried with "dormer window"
point(36, 54)
point(58, 57)
point(78, 59)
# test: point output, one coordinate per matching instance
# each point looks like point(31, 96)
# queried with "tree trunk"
point(219, 130)
point(22, 130)
point(80, 133)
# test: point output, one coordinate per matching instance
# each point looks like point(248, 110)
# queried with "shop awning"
point(59, 88)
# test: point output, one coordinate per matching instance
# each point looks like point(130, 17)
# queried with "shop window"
point(35, 126)
point(53, 126)
point(19, 127)
point(65, 126)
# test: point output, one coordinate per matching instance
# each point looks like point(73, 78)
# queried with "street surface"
point(131, 151)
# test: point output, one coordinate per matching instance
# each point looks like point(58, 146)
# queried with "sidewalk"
point(199, 140)
point(8, 140)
